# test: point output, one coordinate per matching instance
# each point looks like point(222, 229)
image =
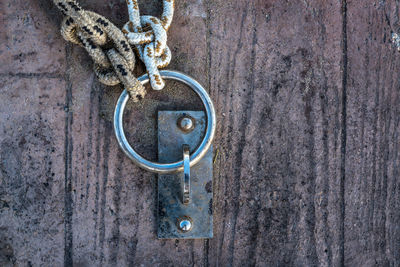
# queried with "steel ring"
point(174, 166)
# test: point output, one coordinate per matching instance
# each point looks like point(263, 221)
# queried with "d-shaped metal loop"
point(174, 166)
point(186, 175)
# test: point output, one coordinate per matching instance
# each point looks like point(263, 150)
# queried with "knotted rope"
point(105, 43)
point(149, 35)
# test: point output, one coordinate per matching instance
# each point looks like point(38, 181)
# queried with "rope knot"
point(113, 57)
point(149, 36)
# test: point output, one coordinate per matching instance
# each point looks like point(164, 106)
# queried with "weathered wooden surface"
point(307, 170)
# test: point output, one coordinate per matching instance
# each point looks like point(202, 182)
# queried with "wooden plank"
point(372, 192)
point(32, 136)
point(275, 76)
point(114, 202)
point(32, 171)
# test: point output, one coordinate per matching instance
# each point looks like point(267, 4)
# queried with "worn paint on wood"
point(307, 145)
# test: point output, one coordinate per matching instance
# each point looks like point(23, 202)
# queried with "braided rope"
point(149, 36)
point(113, 57)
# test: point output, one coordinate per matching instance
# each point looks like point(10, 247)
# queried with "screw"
point(185, 224)
point(186, 123)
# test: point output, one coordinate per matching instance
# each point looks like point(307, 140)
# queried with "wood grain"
point(279, 190)
point(306, 153)
point(372, 148)
point(31, 136)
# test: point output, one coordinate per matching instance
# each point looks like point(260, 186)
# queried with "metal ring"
point(174, 166)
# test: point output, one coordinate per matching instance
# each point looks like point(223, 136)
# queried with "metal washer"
point(174, 166)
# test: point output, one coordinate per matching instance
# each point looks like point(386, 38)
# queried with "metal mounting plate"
point(170, 206)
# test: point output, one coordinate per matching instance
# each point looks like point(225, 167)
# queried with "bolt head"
point(185, 224)
point(186, 123)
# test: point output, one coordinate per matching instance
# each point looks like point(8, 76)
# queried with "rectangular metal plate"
point(170, 206)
